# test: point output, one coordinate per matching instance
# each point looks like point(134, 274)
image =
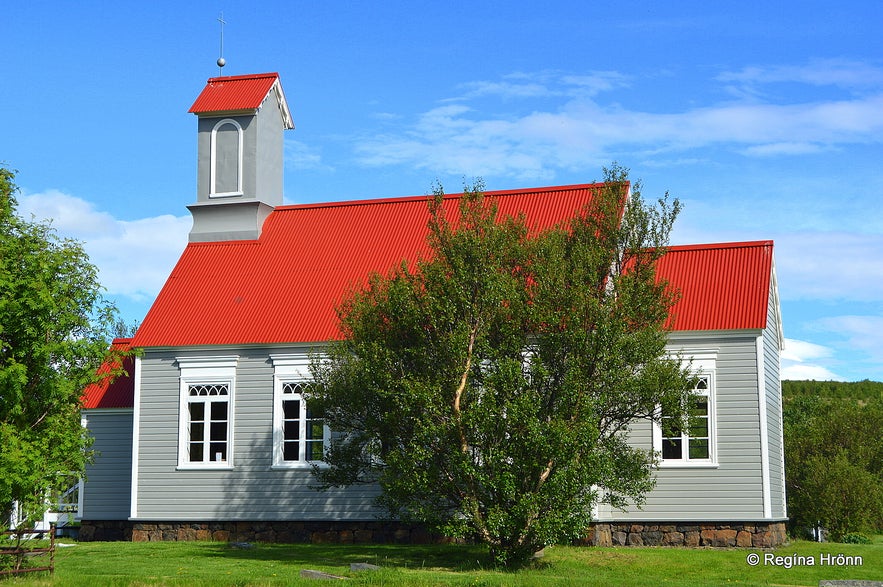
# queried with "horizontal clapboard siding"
point(108, 490)
point(733, 490)
point(252, 489)
point(773, 390)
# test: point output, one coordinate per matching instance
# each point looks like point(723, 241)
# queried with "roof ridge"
point(233, 78)
point(726, 245)
point(423, 198)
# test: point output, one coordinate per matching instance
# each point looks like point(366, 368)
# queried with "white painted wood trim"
point(764, 431)
point(213, 158)
point(136, 429)
point(206, 370)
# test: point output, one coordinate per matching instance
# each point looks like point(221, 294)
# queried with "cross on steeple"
point(221, 61)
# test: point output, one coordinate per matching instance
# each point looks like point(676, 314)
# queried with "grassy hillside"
point(862, 391)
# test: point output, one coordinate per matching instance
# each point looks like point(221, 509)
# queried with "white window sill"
point(205, 467)
point(674, 464)
point(298, 465)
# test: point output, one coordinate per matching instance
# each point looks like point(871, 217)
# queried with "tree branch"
point(458, 394)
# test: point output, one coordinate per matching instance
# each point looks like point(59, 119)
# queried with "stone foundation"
point(717, 535)
point(373, 532)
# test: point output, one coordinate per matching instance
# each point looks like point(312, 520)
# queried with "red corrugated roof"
point(234, 93)
point(723, 286)
point(284, 287)
point(118, 392)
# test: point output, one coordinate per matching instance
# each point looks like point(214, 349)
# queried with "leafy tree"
point(53, 336)
point(490, 388)
point(864, 390)
point(834, 464)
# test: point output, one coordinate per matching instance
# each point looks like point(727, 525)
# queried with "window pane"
point(315, 430)
point(290, 450)
point(197, 412)
point(291, 430)
point(219, 411)
point(670, 428)
point(196, 452)
point(314, 451)
point(671, 448)
point(197, 431)
point(698, 448)
point(699, 428)
point(289, 388)
point(218, 431)
point(291, 410)
point(699, 407)
point(218, 451)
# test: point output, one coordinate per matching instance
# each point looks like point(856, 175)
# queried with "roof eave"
point(287, 120)
point(222, 113)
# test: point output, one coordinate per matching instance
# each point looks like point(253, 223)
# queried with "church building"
point(210, 437)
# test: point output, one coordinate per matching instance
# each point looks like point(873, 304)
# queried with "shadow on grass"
point(449, 557)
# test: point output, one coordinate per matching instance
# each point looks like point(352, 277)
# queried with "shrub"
point(856, 538)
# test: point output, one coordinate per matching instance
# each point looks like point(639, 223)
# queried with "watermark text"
point(768, 559)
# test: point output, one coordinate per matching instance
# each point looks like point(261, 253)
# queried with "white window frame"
point(205, 371)
point(291, 369)
point(703, 365)
point(213, 193)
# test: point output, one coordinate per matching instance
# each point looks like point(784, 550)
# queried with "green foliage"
point(834, 464)
point(856, 538)
point(490, 388)
point(53, 336)
point(864, 390)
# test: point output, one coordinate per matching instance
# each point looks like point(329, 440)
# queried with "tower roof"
point(240, 94)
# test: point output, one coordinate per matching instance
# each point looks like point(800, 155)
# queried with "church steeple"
point(240, 155)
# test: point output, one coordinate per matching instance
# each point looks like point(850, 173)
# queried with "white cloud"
point(800, 351)
point(825, 72)
point(545, 84)
point(800, 372)
point(783, 148)
point(806, 360)
point(134, 257)
point(581, 129)
point(70, 216)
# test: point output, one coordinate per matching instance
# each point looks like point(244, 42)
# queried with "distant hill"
point(862, 391)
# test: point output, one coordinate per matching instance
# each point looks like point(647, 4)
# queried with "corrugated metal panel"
point(234, 93)
point(284, 287)
point(723, 286)
point(113, 393)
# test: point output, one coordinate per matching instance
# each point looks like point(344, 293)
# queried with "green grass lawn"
point(201, 563)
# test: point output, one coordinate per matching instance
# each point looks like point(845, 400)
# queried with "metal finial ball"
point(221, 62)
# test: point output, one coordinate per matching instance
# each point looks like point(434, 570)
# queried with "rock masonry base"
point(373, 532)
point(715, 534)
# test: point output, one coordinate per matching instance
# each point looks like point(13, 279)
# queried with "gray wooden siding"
point(732, 491)
point(107, 491)
point(773, 390)
point(252, 490)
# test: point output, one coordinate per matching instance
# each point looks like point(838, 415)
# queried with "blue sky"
point(766, 121)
